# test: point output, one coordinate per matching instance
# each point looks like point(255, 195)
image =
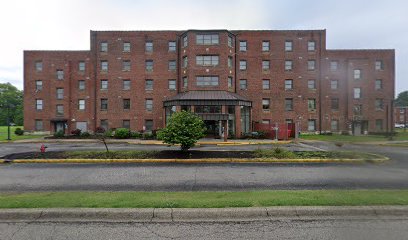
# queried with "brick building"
point(401, 115)
point(136, 79)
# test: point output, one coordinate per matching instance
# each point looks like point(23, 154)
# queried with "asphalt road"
point(304, 229)
point(197, 177)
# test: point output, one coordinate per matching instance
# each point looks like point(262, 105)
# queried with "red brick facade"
point(309, 100)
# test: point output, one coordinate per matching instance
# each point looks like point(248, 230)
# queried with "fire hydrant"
point(42, 148)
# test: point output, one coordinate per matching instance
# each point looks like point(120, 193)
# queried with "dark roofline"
point(361, 50)
point(57, 51)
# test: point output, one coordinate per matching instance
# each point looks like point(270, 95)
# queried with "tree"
point(11, 96)
point(183, 128)
point(402, 99)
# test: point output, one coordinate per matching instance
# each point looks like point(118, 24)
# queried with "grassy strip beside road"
point(4, 133)
point(203, 199)
point(401, 136)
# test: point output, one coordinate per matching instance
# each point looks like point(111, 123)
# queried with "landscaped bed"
point(276, 153)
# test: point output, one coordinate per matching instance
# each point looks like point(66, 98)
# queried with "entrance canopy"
point(209, 98)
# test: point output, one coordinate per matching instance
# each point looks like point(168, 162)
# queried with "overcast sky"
point(65, 25)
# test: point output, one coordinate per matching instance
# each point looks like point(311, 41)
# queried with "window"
point(311, 104)
point(81, 85)
point(379, 104)
point(334, 65)
point(104, 104)
point(243, 84)
point(172, 46)
point(229, 82)
point(230, 62)
point(126, 103)
point(149, 125)
point(104, 84)
point(38, 85)
point(311, 46)
point(104, 46)
point(358, 109)
point(81, 66)
point(126, 124)
point(185, 61)
point(210, 60)
point(60, 74)
point(205, 81)
point(39, 104)
point(357, 74)
point(288, 65)
point(357, 93)
point(104, 124)
point(149, 105)
point(185, 41)
point(207, 109)
point(149, 84)
point(229, 41)
point(104, 66)
point(172, 65)
point(266, 121)
point(126, 47)
point(289, 121)
point(288, 104)
point(311, 84)
point(126, 84)
point(207, 39)
point(334, 84)
point(38, 67)
point(378, 84)
point(311, 65)
point(265, 65)
point(60, 93)
point(311, 125)
point(242, 65)
point(265, 103)
point(172, 84)
point(60, 110)
point(126, 65)
point(39, 125)
point(265, 46)
point(379, 65)
point(334, 104)
point(334, 125)
point(378, 124)
point(149, 65)
point(81, 104)
point(288, 84)
point(243, 46)
point(266, 84)
point(185, 82)
point(288, 46)
point(149, 46)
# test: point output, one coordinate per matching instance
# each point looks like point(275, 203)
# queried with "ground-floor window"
point(207, 109)
point(126, 124)
point(378, 124)
point(149, 125)
point(169, 111)
point(311, 125)
point(334, 125)
point(104, 124)
point(245, 116)
point(39, 125)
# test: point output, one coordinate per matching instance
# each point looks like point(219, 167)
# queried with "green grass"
point(364, 138)
point(3, 134)
point(203, 199)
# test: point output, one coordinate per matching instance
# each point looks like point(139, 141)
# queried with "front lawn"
point(3, 134)
point(203, 199)
point(348, 138)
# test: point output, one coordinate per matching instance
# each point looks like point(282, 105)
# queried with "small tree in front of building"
point(184, 128)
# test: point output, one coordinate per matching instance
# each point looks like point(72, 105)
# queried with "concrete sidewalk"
point(198, 214)
point(217, 142)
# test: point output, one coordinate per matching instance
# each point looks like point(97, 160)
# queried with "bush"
point(108, 133)
point(122, 133)
point(148, 136)
point(59, 134)
point(184, 128)
point(76, 132)
point(18, 131)
point(136, 135)
point(100, 130)
point(85, 135)
point(277, 152)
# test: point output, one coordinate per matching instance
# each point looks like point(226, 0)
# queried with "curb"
point(196, 214)
point(193, 161)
